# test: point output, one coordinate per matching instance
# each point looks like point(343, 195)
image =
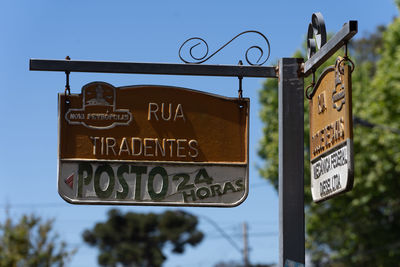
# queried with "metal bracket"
point(67, 91)
point(255, 70)
point(240, 91)
point(152, 68)
point(330, 47)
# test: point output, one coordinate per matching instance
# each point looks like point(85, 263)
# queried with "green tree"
point(137, 239)
point(30, 242)
point(361, 227)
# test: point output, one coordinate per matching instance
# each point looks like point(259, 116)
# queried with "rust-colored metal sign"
point(331, 133)
point(152, 145)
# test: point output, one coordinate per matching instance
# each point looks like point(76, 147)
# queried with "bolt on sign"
point(331, 133)
point(152, 145)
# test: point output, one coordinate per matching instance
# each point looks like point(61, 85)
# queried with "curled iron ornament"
point(205, 57)
point(316, 34)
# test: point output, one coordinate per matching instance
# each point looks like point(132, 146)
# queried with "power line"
point(30, 205)
point(222, 232)
point(368, 124)
point(250, 234)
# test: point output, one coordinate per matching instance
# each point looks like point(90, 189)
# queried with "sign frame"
point(331, 133)
point(215, 187)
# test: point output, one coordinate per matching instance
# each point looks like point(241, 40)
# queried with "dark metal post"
point(291, 163)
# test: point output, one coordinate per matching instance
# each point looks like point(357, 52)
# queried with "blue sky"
point(143, 31)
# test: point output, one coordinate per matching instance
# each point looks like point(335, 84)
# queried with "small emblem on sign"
point(338, 94)
point(98, 108)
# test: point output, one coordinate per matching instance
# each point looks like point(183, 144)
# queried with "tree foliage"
point(137, 239)
point(361, 227)
point(30, 242)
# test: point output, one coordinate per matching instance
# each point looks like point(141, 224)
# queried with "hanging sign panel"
point(331, 133)
point(152, 145)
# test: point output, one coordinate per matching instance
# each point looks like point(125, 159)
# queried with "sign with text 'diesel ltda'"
point(152, 145)
point(331, 133)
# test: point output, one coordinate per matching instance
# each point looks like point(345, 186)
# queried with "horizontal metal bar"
point(152, 68)
point(334, 44)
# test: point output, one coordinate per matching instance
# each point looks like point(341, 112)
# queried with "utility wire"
point(222, 232)
point(252, 235)
point(368, 124)
point(30, 205)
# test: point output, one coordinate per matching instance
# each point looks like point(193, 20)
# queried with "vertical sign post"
point(291, 161)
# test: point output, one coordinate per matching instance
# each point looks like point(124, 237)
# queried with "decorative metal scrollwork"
point(338, 94)
point(316, 35)
point(200, 59)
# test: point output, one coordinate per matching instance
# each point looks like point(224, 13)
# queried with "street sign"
point(331, 133)
point(152, 145)
point(192, 150)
